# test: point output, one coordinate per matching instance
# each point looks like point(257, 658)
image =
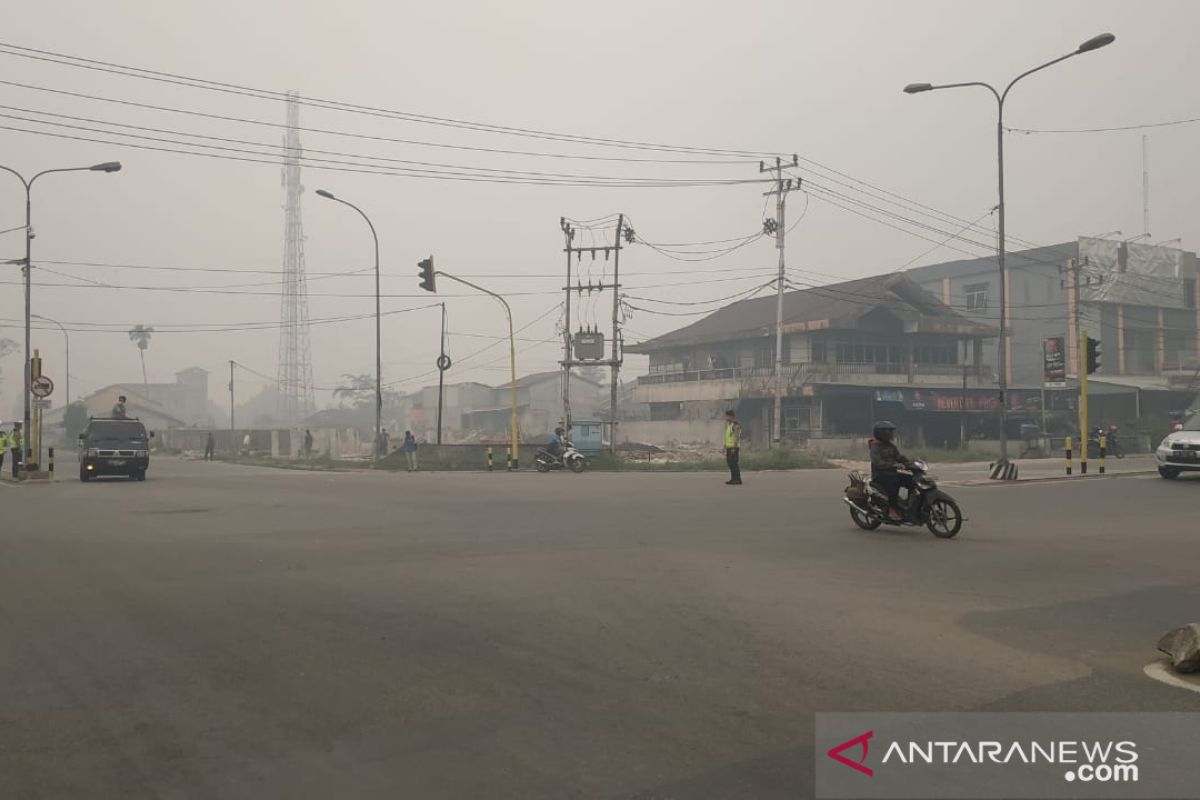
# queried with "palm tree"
point(140, 335)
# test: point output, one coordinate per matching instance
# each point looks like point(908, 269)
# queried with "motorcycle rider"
point(886, 461)
point(555, 446)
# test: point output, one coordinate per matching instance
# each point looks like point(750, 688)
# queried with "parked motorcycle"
point(570, 458)
point(925, 505)
point(1113, 443)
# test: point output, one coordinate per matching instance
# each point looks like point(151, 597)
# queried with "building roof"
point(834, 306)
point(542, 377)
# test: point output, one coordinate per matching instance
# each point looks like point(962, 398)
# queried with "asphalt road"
point(231, 632)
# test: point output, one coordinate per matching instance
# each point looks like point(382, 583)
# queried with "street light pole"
point(107, 166)
point(67, 340)
point(1095, 43)
point(378, 334)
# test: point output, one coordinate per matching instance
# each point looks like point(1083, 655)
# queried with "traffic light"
point(1093, 355)
point(427, 280)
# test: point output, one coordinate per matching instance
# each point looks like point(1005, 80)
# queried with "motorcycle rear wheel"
point(542, 466)
point(945, 518)
point(867, 523)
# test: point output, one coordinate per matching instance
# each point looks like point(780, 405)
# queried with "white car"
point(1180, 451)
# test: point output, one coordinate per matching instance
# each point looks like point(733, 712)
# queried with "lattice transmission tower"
point(294, 376)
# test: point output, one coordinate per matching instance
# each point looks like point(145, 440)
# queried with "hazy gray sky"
point(822, 80)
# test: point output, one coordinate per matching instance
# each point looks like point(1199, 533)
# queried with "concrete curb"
point(1053, 478)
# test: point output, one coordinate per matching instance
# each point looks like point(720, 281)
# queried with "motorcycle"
point(1113, 443)
point(570, 458)
point(925, 505)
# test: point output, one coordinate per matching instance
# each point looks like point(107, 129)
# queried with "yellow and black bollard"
point(51, 464)
point(1103, 448)
point(508, 458)
point(1067, 448)
point(489, 459)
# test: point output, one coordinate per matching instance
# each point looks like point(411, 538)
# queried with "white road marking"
point(1159, 671)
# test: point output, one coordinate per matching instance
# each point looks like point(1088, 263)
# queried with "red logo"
point(860, 741)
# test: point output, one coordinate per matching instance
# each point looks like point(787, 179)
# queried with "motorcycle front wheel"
point(864, 521)
point(945, 518)
point(577, 465)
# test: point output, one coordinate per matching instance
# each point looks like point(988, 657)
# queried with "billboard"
point(1054, 361)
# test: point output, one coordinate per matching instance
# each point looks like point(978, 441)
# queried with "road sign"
point(41, 403)
point(42, 386)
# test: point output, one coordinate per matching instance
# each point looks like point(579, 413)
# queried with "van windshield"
point(117, 432)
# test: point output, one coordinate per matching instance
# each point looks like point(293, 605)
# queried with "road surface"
point(233, 632)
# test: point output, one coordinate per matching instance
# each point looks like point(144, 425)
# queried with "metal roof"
point(834, 306)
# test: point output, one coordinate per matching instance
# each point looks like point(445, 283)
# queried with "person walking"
point(3, 448)
point(16, 443)
point(410, 450)
point(308, 443)
point(733, 445)
point(210, 446)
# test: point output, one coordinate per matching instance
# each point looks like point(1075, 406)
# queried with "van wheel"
point(139, 475)
point(1170, 473)
point(84, 476)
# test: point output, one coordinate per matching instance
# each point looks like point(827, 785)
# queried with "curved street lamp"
point(106, 166)
point(378, 337)
point(1095, 43)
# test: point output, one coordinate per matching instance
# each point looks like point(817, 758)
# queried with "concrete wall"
point(673, 432)
point(279, 443)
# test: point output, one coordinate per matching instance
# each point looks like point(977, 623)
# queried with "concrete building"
point(474, 410)
point(1141, 301)
point(183, 403)
point(854, 351)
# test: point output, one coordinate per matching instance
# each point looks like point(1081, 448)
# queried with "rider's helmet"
point(559, 430)
point(884, 431)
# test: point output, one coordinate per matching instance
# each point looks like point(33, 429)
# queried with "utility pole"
point(1146, 185)
point(624, 234)
point(569, 235)
point(782, 187)
point(443, 364)
point(616, 335)
point(1079, 357)
point(232, 435)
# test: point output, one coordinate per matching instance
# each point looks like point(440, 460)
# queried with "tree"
point(7, 346)
point(360, 391)
point(140, 336)
point(75, 419)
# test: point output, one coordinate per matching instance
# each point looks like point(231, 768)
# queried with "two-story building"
point(1141, 301)
point(852, 352)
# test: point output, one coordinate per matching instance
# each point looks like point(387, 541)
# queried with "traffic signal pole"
point(1083, 402)
point(429, 283)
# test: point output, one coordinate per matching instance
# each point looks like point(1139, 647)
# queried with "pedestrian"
point(733, 445)
point(410, 450)
point(16, 443)
point(210, 445)
point(308, 443)
point(383, 442)
point(118, 409)
point(3, 448)
point(246, 444)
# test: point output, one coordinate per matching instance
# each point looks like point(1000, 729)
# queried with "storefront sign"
point(1054, 363)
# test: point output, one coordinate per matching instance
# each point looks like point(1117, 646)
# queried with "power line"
point(334, 105)
point(300, 153)
point(1139, 127)
point(370, 137)
point(338, 165)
